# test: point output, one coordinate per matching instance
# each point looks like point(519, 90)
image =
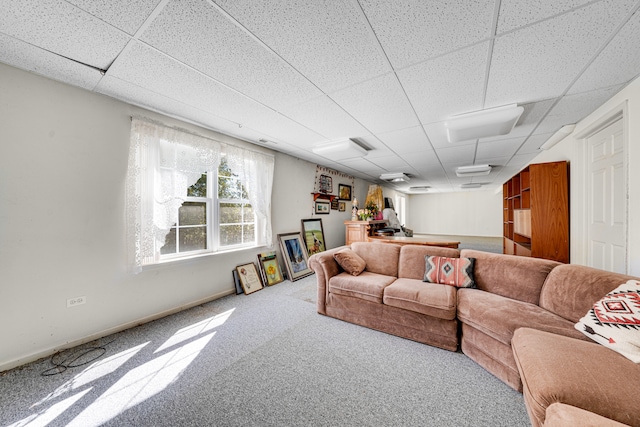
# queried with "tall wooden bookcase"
point(536, 212)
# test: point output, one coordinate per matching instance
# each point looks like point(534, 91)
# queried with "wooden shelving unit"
point(536, 212)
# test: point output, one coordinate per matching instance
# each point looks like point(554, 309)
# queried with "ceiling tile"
point(325, 117)
point(516, 13)
point(198, 34)
point(62, 28)
point(450, 84)
point(411, 31)
point(457, 155)
point(615, 64)
point(183, 84)
point(407, 140)
point(390, 163)
point(20, 54)
point(533, 143)
point(540, 61)
point(123, 14)
point(500, 148)
point(379, 104)
point(327, 41)
point(572, 108)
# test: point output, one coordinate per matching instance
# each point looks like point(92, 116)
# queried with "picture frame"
point(322, 207)
point(295, 256)
point(325, 184)
point(313, 235)
point(270, 268)
point(272, 271)
point(342, 206)
point(249, 278)
point(236, 282)
point(334, 204)
point(344, 192)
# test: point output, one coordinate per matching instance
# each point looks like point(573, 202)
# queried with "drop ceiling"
point(386, 74)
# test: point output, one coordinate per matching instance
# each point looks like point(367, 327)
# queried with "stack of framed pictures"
point(247, 276)
point(269, 268)
point(294, 252)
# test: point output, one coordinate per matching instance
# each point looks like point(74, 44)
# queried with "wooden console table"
point(358, 231)
point(401, 240)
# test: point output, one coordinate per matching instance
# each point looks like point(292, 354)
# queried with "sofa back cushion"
point(412, 259)
point(571, 290)
point(510, 276)
point(380, 258)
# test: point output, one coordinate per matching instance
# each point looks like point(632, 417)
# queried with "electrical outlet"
point(72, 302)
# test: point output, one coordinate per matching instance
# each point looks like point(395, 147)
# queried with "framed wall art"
point(344, 192)
point(249, 278)
point(325, 184)
point(270, 268)
point(313, 236)
point(295, 256)
point(322, 207)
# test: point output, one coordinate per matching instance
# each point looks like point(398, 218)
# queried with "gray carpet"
point(265, 359)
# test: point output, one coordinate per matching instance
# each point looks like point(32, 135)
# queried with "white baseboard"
point(70, 344)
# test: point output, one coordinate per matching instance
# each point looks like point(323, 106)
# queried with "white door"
point(607, 195)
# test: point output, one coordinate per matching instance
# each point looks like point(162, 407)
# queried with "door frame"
point(619, 112)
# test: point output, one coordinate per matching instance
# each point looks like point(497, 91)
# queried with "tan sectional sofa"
point(494, 323)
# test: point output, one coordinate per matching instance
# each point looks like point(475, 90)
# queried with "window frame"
point(213, 216)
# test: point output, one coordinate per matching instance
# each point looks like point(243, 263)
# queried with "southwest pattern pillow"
point(456, 272)
point(614, 321)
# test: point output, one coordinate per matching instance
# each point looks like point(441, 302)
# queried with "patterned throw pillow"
point(456, 272)
point(350, 261)
point(614, 321)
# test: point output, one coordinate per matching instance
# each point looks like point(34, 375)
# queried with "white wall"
point(471, 213)
point(572, 149)
point(63, 161)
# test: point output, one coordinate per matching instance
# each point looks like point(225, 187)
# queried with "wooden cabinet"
point(536, 212)
point(358, 231)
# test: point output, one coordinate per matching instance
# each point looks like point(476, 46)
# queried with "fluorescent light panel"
point(471, 185)
point(484, 123)
point(395, 177)
point(474, 170)
point(343, 149)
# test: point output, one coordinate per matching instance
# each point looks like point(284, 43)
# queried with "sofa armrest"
point(325, 267)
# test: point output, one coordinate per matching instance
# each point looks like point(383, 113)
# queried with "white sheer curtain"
point(163, 163)
point(255, 171)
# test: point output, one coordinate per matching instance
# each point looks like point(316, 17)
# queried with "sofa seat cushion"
point(561, 415)
point(432, 299)
point(367, 285)
point(499, 316)
point(579, 373)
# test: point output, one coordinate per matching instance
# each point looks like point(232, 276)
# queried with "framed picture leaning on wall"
point(313, 236)
point(249, 278)
point(295, 256)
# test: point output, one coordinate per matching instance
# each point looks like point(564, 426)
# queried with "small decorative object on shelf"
point(354, 209)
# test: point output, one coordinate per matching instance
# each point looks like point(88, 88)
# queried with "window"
point(190, 232)
point(201, 228)
point(236, 225)
point(189, 195)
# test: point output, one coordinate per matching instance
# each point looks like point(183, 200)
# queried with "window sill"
point(194, 258)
